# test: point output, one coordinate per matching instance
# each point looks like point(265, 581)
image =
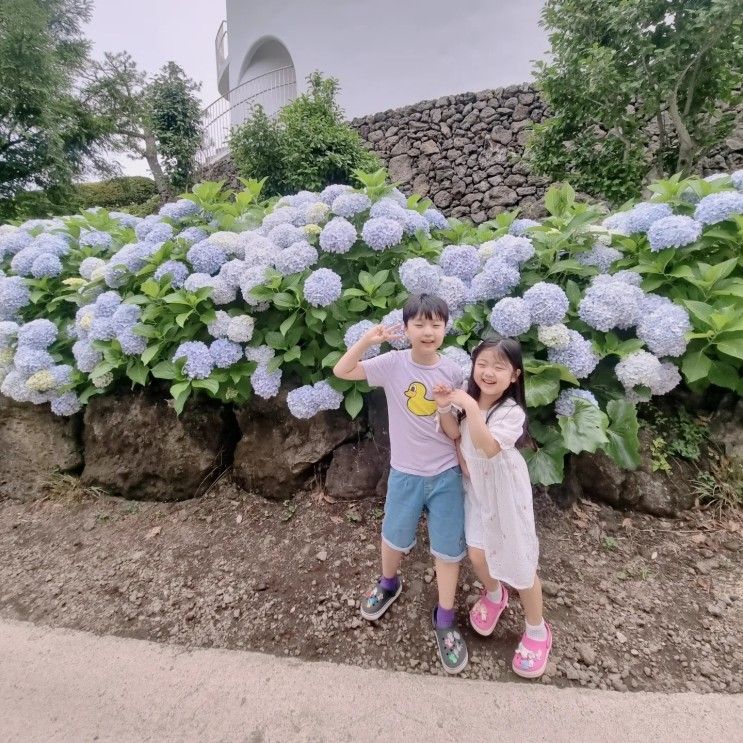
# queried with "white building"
point(385, 53)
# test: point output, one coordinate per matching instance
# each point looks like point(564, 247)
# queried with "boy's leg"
point(391, 559)
point(447, 574)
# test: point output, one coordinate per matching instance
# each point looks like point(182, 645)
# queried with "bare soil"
point(636, 602)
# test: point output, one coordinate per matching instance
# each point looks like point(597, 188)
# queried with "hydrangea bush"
point(229, 296)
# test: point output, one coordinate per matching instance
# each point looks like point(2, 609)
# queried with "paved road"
point(60, 685)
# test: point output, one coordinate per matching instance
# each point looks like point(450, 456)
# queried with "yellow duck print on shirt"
point(418, 403)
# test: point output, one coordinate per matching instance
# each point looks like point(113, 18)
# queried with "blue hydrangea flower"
point(95, 239)
point(327, 397)
point(101, 329)
point(330, 193)
point(307, 401)
point(143, 227)
point(231, 242)
point(259, 354)
point(380, 233)
point(322, 287)
point(511, 249)
point(125, 220)
point(106, 304)
point(240, 328)
point(600, 256)
point(338, 236)
point(231, 272)
point(520, 226)
point(159, 233)
point(736, 178)
point(199, 363)
point(225, 353)
point(638, 369)
point(29, 360)
point(250, 279)
point(14, 296)
point(13, 242)
point(354, 333)
point(419, 276)
point(717, 207)
point(460, 357)
point(436, 219)
point(495, 281)
point(296, 258)
point(285, 235)
point(388, 208)
point(125, 318)
point(667, 378)
point(22, 261)
point(56, 244)
point(66, 405)
point(453, 291)
point(40, 333)
point(314, 212)
point(461, 261)
point(578, 356)
point(565, 403)
point(222, 292)
point(510, 316)
point(664, 327)
point(131, 343)
point(350, 204)
point(46, 266)
point(643, 215)
point(8, 331)
point(414, 221)
point(197, 281)
point(181, 209)
point(206, 257)
point(192, 235)
point(282, 215)
point(554, 336)
point(88, 265)
point(673, 232)
point(176, 272)
point(548, 304)
point(265, 383)
point(218, 326)
point(390, 320)
point(616, 223)
point(86, 357)
point(611, 304)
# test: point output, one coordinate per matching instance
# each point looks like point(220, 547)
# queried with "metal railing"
point(272, 90)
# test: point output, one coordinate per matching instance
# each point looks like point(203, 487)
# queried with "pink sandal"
point(530, 658)
point(485, 614)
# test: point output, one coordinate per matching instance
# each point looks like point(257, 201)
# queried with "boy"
point(425, 472)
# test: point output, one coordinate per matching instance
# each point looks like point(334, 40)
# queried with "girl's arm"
point(479, 432)
point(447, 418)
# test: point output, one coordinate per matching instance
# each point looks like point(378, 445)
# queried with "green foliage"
point(308, 145)
point(617, 68)
point(115, 192)
point(720, 488)
point(175, 116)
point(676, 434)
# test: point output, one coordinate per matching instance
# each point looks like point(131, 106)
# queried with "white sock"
point(496, 596)
point(537, 631)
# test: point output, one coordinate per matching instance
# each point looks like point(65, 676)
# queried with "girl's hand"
point(442, 394)
point(381, 334)
point(461, 399)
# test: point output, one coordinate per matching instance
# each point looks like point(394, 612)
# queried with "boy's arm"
point(349, 365)
point(449, 424)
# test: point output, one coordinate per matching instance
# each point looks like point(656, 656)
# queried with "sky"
point(155, 32)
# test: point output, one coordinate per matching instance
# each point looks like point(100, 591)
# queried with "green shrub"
point(307, 147)
point(115, 192)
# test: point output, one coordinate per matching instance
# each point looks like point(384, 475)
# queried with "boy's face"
point(426, 335)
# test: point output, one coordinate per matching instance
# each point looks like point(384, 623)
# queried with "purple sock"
point(444, 617)
point(389, 584)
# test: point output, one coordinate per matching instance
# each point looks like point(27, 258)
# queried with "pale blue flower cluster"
point(354, 333)
point(225, 353)
point(196, 281)
point(125, 220)
point(131, 258)
point(496, 279)
point(66, 404)
point(673, 232)
point(461, 261)
point(436, 219)
point(192, 235)
point(460, 357)
point(510, 248)
point(307, 401)
point(159, 233)
point(393, 319)
point(663, 326)
point(14, 296)
point(380, 233)
point(350, 204)
point(13, 242)
point(95, 239)
point(600, 256)
point(610, 304)
point(414, 221)
point(265, 383)
point(322, 287)
point(285, 235)
point(388, 208)
point(206, 257)
point(250, 279)
point(577, 356)
point(47, 247)
point(240, 328)
point(565, 403)
point(198, 361)
point(181, 209)
point(330, 193)
point(554, 336)
point(510, 317)
point(176, 272)
point(643, 215)
point(46, 266)
point(548, 304)
point(643, 369)
point(520, 226)
point(283, 215)
point(89, 265)
point(39, 333)
point(296, 258)
point(419, 276)
point(717, 207)
point(337, 236)
point(453, 291)
point(736, 179)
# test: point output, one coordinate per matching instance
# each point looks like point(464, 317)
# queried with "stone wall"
point(464, 152)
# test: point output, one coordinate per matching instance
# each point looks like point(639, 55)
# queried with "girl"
point(499, 517)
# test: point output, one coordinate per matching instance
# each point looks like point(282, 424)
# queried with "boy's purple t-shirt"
point(417, 447)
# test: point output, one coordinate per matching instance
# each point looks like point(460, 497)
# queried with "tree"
point(158, 119)
point(47, 133)
point(622, 72)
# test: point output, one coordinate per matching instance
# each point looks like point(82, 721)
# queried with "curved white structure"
point(385, 53)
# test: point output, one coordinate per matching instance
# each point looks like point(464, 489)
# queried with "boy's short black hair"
point(427, 305)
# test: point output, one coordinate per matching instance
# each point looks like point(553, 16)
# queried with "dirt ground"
point(636, 602)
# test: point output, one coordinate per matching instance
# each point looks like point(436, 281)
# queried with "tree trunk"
point(150, 154)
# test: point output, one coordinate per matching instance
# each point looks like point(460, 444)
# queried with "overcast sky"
point(156, 31)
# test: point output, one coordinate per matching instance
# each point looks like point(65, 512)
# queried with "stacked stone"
point(465, 152)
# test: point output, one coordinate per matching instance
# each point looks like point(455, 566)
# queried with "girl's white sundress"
point(498, 510)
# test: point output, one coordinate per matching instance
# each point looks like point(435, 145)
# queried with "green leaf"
point(542, 389)
point(319, 313)
point(275, 340)
point(151, 288)
point(165, 370)
point(696, 365)
point(333, 338)
point(623, 445)
point(182, 319)
point(180, 400)
point(701, 310)
point(725, 375)
point(138, 373)
point(354, 402)
point(284, 327)
point(731, 348)
point(331, 359)
point(546, 464)
point(149, 353)
point(357, 305)
point(212, 385)
point(585, 430)
point(178, 388)
point(284, 300)
point(293, 353)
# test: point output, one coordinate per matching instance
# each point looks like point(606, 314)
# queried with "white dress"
point(498, 509)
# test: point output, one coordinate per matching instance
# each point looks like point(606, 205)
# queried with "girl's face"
point(493, 373)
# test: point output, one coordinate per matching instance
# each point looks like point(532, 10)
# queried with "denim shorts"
point(441, 497)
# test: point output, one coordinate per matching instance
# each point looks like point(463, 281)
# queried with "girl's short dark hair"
point(426, 305)
point(510, 349)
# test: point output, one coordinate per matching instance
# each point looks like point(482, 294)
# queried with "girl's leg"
point(531, 600)
point(480, 566)
point(447, 574)
point(391, 559)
